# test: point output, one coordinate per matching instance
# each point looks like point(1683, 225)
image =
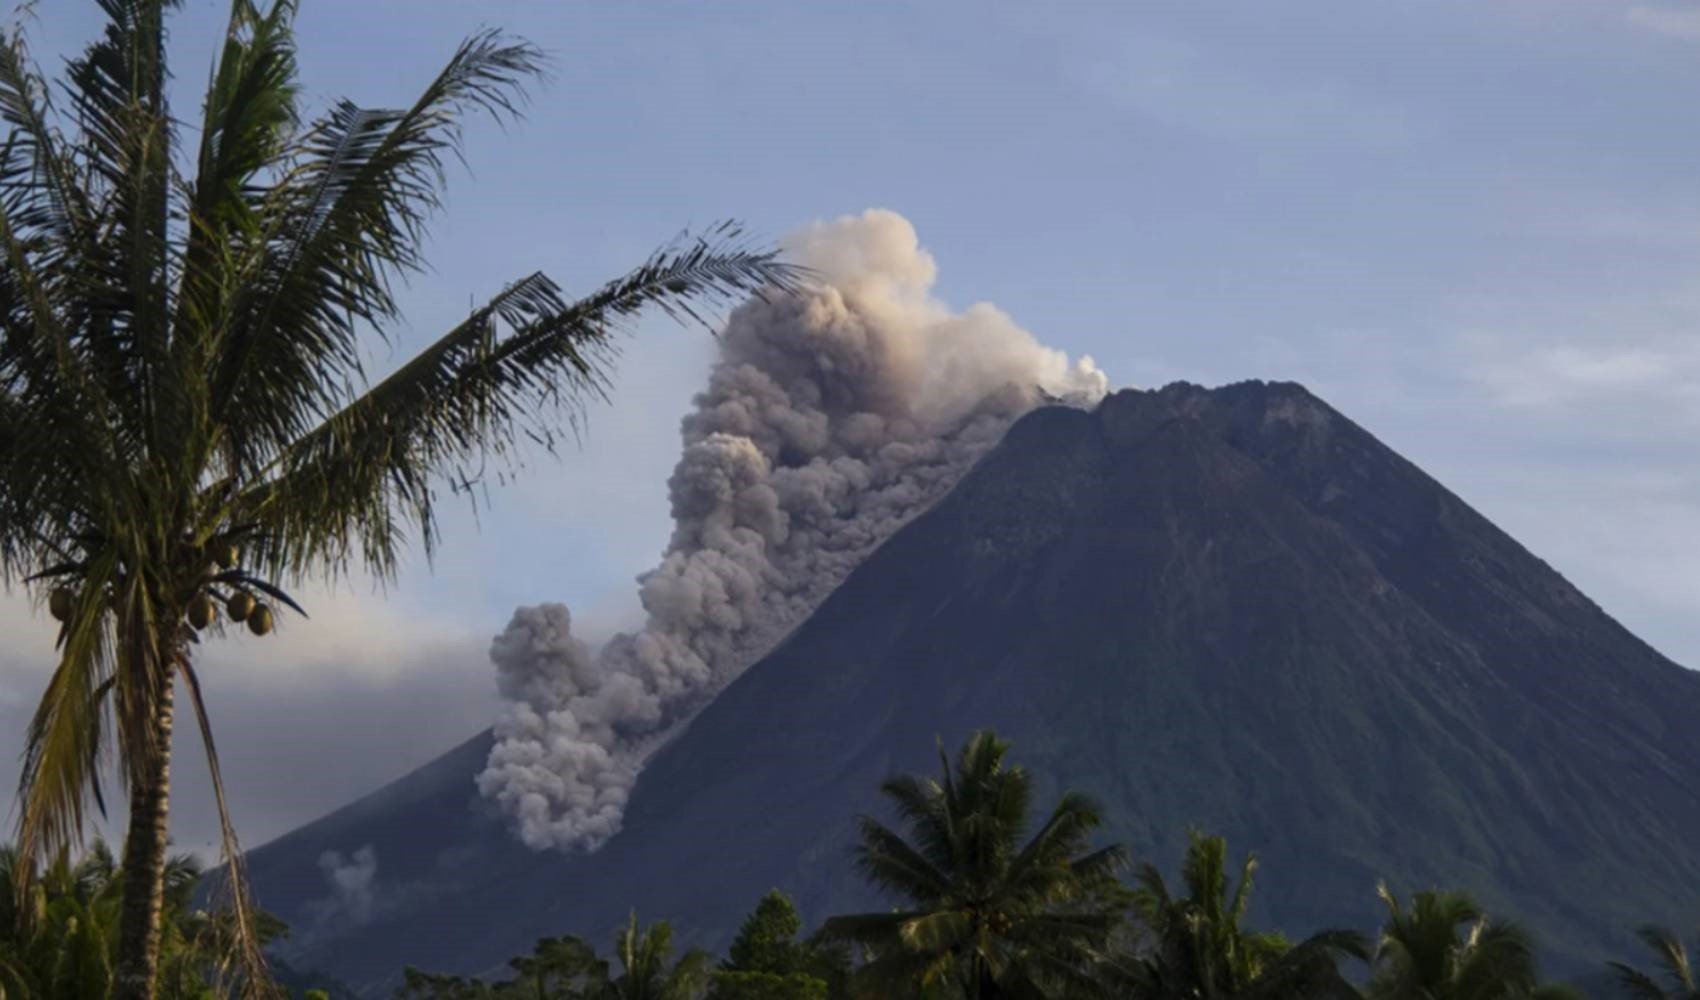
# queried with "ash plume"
point(831, 417)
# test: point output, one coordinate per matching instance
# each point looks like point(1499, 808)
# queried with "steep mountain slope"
point(1230, 608)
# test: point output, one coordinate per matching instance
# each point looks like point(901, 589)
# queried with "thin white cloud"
point(1566, 374)
point(1671, 21)
point(1624, 365)
point(1186, 86)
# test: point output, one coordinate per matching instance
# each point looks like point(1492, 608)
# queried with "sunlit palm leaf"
point(503, 378)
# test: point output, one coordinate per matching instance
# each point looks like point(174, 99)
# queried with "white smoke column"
point(830, 418)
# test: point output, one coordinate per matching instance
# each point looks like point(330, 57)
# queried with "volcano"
point(1232, 609)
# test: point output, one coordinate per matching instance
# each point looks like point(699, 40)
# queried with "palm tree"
point(648, 971)
point(59, 936)
point(1445, 948)
point(184, 415)
point(54, 940)
point(1199, 947)
point(983, 914)
point(1673, 957)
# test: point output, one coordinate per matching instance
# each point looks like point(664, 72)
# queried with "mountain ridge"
point(1232, 608)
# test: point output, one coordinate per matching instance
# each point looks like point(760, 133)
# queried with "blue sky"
point(1474, 227)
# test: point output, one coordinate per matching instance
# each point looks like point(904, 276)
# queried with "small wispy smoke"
point(352, 882)
point(831, 417)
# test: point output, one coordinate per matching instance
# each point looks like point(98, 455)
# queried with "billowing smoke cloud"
point(830, 418)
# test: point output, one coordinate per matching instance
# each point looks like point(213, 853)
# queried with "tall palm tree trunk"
point(985, 988)
point(144, 868)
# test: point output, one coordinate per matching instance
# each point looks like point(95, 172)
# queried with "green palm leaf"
point(180, 340)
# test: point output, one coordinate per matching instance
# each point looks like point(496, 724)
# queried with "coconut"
point(227, 555)
point(260, 620)
point(201, 611)
point(60, 601)
point(240, 606)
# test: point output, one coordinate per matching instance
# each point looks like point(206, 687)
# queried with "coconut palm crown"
point(982, 914)
point(184, 414)
point(1200, 948)
point(1443, 947)
point(648, 970)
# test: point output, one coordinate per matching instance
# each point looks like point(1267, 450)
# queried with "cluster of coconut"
point(241, 607)
point(201, 612)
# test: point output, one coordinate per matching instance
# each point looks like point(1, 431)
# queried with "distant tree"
point(1683, 982)
point(647, 968)
point(766, 960)
point(563, 968)
point(1445, 948)
point(983, 915)
point(1197, 946)
point(185, 412)
point(417, 985)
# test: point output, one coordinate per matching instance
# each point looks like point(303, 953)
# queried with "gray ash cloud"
point(831, 417)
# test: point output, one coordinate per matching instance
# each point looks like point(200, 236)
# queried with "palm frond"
point(1638, 984)
point(234, 885)
point(65, 743)
point(1097, 867)
point(1065, 834)
point(940, 930)
point(1671, 953)
point(867, 928)
point(898, 973)
point(340, 227)
point(125, 141)
point(38, 184)
point(248, 119)
point(922, 804)
point(889, 862)
point(356, 485)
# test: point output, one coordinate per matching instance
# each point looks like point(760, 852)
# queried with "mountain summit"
point(1228, 608)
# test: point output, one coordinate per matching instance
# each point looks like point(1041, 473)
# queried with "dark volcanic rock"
point(1232, 609)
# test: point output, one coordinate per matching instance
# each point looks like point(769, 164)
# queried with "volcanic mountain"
point(1232, 609)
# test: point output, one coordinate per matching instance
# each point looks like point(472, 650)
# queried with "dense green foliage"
point(766, 961)
point(557, 969)
point(987, 910)
point(59, 930)
point(569, 969)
